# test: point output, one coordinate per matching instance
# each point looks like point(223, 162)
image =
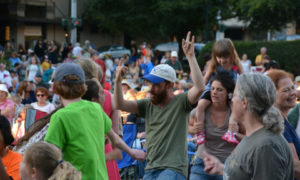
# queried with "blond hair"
point(46, 158)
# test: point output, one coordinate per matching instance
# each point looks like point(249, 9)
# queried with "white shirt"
point(77, 51)
point(246, 65)
point(48, 108)
point(5, 78)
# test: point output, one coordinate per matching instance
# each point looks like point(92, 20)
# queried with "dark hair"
point(22, 87)
point(92, 90)
point(272, 64)
point(6, 131)
point(226, 81)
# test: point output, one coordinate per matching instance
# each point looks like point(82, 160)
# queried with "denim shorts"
point(163, 174)
point(198, 173)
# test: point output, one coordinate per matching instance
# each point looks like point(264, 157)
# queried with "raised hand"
point(188, 46)
point(120, 71)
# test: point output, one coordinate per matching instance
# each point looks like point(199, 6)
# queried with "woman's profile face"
point(218, 93)
point(237, 106)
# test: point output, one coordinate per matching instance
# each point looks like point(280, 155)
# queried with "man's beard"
point(157, 99)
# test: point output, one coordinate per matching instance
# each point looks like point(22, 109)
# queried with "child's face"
point(25, 170)
point(224, 61)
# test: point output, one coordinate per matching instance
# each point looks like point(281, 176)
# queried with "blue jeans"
point(163, 174)
point(198, 173)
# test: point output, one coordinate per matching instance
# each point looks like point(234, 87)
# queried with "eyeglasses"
point(40, 95)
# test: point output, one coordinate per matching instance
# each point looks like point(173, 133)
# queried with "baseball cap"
point(126, 82)
point(160, 73)
point(66, 69)
point(297, 79)
point(174, 54)
point(3, 88)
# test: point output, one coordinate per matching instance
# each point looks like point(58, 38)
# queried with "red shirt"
point(101, 63)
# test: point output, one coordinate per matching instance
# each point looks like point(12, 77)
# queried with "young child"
point(80, 127)
point(44, 161)
point(224, 59)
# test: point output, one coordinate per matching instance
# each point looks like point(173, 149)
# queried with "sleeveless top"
point(214, 144)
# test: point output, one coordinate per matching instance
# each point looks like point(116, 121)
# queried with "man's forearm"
point(118, 95)
point(197, 76)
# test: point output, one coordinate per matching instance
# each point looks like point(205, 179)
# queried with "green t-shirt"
point(263, 155)
point(177, 65)
point(79, 130)
point(166, 133)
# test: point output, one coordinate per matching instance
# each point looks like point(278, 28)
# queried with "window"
point(32, 11)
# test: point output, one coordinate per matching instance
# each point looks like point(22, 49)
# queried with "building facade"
point(25, 21)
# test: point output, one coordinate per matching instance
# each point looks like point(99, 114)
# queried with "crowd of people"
point(62, 110)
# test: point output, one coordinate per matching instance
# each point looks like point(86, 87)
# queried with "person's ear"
point(245, 103)
point(33, 172)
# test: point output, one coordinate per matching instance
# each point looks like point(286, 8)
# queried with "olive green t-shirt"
point(79, 131)
point(166, 133)
point(263, 155)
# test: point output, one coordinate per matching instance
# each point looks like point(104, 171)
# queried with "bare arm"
point(199, 86)
point(119, 102)
point(7, 111)
point(115, 154)
point(119, 143)
point(296, 161)
point(115, 115)
point(207, 74)
point(241, 68)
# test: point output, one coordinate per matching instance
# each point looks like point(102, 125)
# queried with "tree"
point(266, 15)
point(154, 18)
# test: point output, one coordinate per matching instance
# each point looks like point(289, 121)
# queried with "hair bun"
point(273, 120)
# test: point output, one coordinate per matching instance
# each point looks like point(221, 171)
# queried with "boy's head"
point(69, 81)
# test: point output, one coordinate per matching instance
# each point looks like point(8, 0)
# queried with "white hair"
point(260, 92)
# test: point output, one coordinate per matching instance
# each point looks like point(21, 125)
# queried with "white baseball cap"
point(3, 88)
point(160, 73)
point(174, 54)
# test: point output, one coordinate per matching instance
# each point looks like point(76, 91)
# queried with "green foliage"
point(286, 53)
point(153, 18)
point(266, 14)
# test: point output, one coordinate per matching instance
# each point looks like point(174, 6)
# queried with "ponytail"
point(273, 120)
point(65, 171)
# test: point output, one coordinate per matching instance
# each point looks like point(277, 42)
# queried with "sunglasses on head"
point(40, 95)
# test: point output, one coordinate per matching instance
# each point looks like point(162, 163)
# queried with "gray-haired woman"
point(263, 153)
